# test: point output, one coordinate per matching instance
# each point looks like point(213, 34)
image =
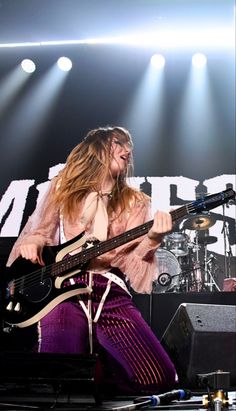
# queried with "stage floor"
point(25, 375)
point(46, 403)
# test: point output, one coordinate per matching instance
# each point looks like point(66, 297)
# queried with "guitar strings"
point(54, 269)
point(78, 259)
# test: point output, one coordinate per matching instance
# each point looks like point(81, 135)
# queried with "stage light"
point(25, 44)
point(64, 63)
point(158, 61)
point(199, 60)
point(28, 66)
point(179, 36)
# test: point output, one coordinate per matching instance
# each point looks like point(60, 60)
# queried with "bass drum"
point(168, 272)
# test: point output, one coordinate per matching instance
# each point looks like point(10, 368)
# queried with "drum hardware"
point(168, 272)
point(164, 279)
point(203, 273)
point(194, 247)
point(210, 239)
point(211, 259)
point(184, 265)
point(197, 276)
point(197, 272)
point(203, 265)
point(176, 243)
point(209, 271)
point(191, 279)
point(199, 222)
point(227, 247)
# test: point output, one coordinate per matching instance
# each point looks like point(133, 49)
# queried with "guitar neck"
point(104, 246)
point(199, 205)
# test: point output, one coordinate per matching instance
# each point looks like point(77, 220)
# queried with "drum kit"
point(183, 260)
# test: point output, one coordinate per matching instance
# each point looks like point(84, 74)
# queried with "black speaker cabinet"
point(201, 338)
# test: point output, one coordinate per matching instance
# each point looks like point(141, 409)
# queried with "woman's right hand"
point(32, 252)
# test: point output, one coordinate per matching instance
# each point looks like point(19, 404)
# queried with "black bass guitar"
point(34, 290)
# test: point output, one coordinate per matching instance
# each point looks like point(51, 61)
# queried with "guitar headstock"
point(211, 201)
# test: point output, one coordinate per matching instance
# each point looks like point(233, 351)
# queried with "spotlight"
point(28, 66)
point(158, 61)
point(64, 63)
point(199, 60)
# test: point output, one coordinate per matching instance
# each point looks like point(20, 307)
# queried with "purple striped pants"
point(120, 331)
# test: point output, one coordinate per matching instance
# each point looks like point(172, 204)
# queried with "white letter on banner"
point(53, 172)
point(215, 185)
point(17, 194)
point(136, 182)
point(161, 191)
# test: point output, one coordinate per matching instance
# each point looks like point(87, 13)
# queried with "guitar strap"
point(88, 310)
point(94, 214)
point(117, 280)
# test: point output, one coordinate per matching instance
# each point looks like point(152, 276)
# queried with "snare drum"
point(176, 243)
point(168, 272)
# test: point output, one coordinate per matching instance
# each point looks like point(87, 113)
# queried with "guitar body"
point(34, 290)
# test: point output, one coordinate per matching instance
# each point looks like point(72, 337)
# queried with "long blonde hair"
point(87, 166)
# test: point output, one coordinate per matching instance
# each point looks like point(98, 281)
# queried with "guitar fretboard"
point(104, 246)
point(83, 257)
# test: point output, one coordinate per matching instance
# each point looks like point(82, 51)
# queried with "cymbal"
point(208, 239)
point(199, 222)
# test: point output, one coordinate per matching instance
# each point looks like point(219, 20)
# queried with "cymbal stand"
point(208, 271)
point(197, 266)
point(207, 277)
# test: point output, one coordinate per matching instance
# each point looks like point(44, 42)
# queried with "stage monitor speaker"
point(201, 338)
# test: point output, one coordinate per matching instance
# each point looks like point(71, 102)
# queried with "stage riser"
point(189, 351)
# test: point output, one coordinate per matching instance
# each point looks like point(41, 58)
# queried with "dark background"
point(102, 85)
